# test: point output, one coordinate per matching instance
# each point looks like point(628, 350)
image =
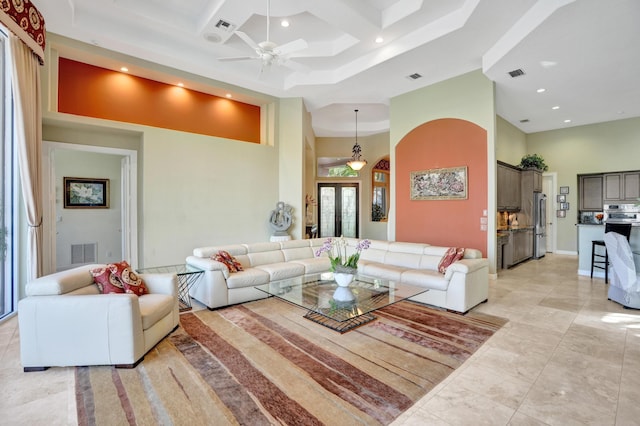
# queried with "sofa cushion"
point(297, 253)
point(106, 281)
point(282, 270)
point(248, 278)
point(154, 307)
point(404, 260)
point(265, 258)
point(425, 278)
point(229, 261)
point(131, 282)
point(380, 270)
point(315, 265)
point(452, 255)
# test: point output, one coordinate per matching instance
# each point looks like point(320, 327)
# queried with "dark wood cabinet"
point(621, 187)
point(591, 193)
point(508, 188)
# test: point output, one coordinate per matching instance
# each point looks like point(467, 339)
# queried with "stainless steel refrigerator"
point(539, 222)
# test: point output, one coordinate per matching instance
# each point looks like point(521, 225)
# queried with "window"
point(380, 188)
point(335, 167)
point(8, 167)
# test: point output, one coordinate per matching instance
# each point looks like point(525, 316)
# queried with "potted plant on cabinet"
point(533, 161)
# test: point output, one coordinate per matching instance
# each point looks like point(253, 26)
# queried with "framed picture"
point(86, 193)
point(561, 213)
point(439, 184)
point(564, 206)
point(562, 198)
point(564, 189)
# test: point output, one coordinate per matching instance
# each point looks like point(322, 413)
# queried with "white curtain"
point(28, 121)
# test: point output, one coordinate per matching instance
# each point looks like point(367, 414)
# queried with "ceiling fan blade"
point(247, 40)
point(292, 46)
point(237, 58)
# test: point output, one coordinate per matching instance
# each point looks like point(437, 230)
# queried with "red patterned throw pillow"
point(231, 262)
point(131, 282)
point(453, 254)
point(106, 281)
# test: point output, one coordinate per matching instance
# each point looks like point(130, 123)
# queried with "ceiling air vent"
point(516, 73)
point(414, 76)
point(524, 120)
point(225, 26)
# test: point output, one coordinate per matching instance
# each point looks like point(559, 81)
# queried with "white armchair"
point(625, 282)
point(65, 321)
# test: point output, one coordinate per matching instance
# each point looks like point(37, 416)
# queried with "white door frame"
point(129, 175)
point(549, 185)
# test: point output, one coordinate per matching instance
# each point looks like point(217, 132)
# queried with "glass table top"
point(340, 308)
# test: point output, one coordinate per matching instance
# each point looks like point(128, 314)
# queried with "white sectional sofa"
point(464, 284)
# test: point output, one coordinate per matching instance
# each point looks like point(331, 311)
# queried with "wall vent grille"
point(84, 253)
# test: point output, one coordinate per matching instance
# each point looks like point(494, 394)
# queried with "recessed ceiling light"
point(540, 90)
point(284, 23)
point(555, 107)
point(229, 95)
point(181, 84)
point(548, 64)
point(567, 121)
point(124, 69)
point(379, 39)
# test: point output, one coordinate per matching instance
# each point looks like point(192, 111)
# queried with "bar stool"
point(600, 260)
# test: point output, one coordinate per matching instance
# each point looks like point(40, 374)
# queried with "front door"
point(338, 209)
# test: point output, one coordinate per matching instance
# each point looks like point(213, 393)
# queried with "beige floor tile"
point(458, 406)
point(567, 356)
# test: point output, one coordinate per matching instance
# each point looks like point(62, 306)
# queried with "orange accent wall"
point(92, 91)
point(452, 223)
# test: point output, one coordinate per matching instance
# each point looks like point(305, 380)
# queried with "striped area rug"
point(261, 363)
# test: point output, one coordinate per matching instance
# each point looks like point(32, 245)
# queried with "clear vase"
point(342, 279)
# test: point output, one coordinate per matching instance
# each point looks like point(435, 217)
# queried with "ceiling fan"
point(269, 52)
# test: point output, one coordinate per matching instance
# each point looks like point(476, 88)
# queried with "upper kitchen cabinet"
point(590, 192)
point(531, 180)
point(508, 183)
point(621, 187)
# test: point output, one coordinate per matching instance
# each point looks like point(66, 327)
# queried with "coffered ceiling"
point(582, 52)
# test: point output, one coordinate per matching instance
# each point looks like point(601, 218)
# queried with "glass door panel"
point(338, 210)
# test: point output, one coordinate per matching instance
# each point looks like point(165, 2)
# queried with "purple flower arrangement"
point(336, 249)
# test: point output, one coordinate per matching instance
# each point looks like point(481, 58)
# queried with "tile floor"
point(568, 356)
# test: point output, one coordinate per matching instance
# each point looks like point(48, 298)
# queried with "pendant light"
point(356, 162)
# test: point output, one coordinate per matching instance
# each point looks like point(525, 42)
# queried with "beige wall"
point(511, 142)
point(603, 147)
point(194, 190)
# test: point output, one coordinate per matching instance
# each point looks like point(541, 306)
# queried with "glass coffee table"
point(340, 308)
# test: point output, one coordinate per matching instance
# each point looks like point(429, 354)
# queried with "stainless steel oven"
point(622, 213)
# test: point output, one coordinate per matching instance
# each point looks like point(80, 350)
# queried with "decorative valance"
point(23, 19)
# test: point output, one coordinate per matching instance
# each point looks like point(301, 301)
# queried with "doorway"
point(126, 190)
point(338, 209)
point(548, 187)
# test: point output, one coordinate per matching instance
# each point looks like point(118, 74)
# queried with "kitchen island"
point(589, 232)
